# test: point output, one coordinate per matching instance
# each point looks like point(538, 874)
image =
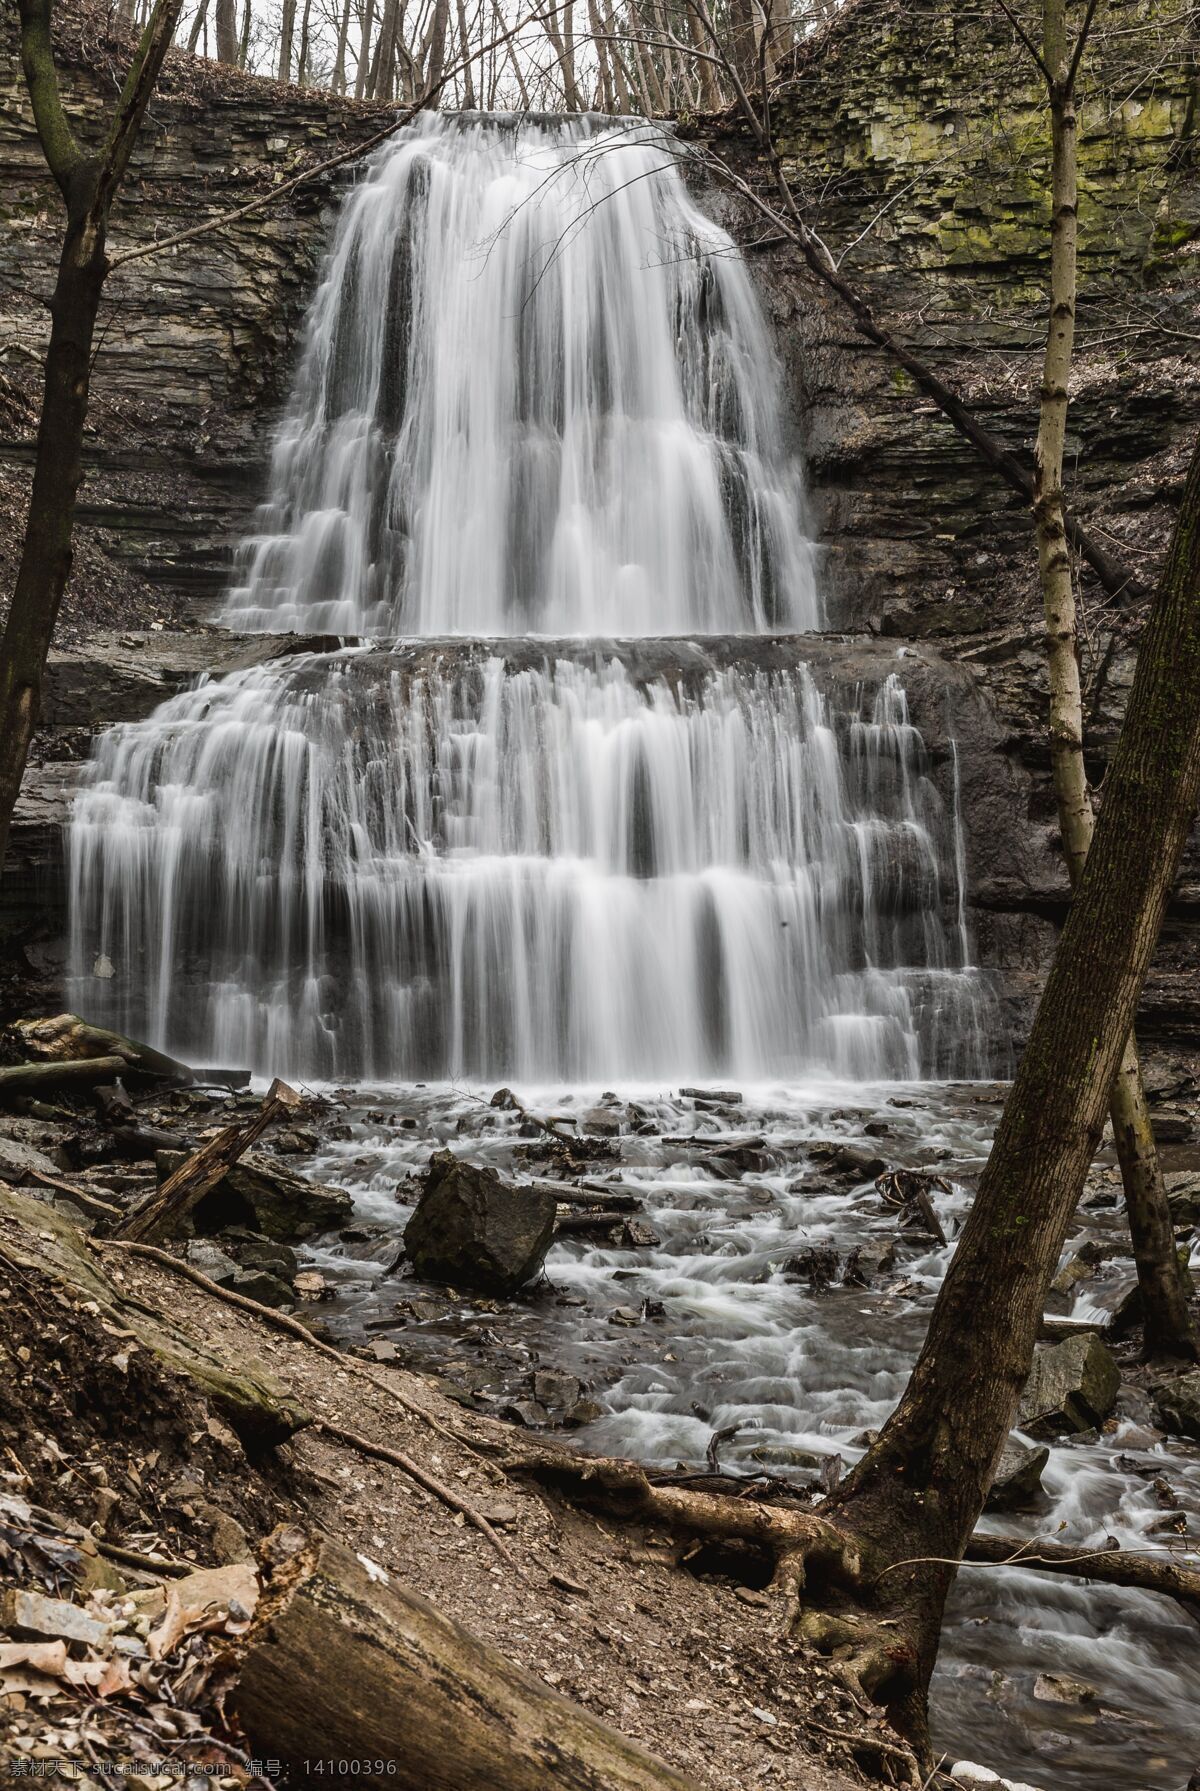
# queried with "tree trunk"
point(244, 40)
point(287, 29)
point(465, 53)
point(436, 61)
point(1168, 1325)
point(227, 43)
point(362, 72)
point(302, 65)
point(710, 93)
point(919, 1490)
point(344, 1663)
point(46, 556)
point(197, 26)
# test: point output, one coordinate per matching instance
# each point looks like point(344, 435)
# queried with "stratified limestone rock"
point(1072, 1386)
point(472, 1230)
point(262, 1195)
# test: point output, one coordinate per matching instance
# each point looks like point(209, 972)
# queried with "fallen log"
point(48, 1078)
point(65, 1038)
point(571, 1223)
point(343, 1662)
point(34, 1236)
point(163, 1211)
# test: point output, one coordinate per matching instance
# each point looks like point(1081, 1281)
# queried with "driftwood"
point(342, 1662)
point(65, 1038)
point(162, 1212)
point(48, 1078)
point(34, 1237)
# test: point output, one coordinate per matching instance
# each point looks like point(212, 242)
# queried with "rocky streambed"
point(768, 1326)
point(738, 1280)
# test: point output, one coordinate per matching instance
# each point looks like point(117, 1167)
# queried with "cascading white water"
point(535, 392)
point(535, 395)
point(361, 868)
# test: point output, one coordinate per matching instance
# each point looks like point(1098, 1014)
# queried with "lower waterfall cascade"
point(535, 389)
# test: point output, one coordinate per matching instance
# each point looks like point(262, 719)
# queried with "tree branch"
point(153, 45)
point(63, 155)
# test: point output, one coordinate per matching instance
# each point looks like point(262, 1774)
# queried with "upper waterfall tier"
point(535, 395)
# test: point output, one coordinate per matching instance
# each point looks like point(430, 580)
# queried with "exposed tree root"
point(380, 1452)
point(809, 1553)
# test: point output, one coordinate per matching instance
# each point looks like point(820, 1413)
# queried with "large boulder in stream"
point(1072, 1386)
point(472, 1230)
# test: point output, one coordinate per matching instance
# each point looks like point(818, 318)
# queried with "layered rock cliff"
point(918, 144)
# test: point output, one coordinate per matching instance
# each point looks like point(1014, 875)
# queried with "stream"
point(724, 1336)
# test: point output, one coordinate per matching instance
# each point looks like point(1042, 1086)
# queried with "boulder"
point(1177, 1403)
point(1183, 1196)
point(472, 1230)
point(262, 1195)
point(1018, 1477)
point(601, 1122)
point(1072, 1386)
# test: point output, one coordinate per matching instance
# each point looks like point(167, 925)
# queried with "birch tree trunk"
point(1161, 1278)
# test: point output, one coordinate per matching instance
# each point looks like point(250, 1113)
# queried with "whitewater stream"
point(571, 791)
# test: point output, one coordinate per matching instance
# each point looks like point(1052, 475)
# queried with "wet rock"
point(506, 1099)
point(601, 1122)
point(1080, 1267)
point(472, 1230)
point(310, 1284)
point(866, 1262)
point(263, 1253)
point(1018, 1477)
point(1073, 1385)
point(557, 1391)
point(624, 1315)
point(731, 1162)
point(818, 1266)
point(640, 1236)
point(525, 1411)
point(584, 1411)
point(259, 1193)
point(1061, 1688)
point(1177, 1403)
point(295, 1141)
point(852, 1160)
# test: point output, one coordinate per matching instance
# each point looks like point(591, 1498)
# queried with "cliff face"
point(917, 143)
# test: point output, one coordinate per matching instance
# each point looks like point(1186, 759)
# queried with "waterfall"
point(535, 398)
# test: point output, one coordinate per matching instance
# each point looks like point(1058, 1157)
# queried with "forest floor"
point(605, 1612)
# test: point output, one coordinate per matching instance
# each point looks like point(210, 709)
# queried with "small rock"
point(601, 1123)
point(750, 1595)
point(506, 1099)
point(555, 1390)
point(866, 1262)
point(1018, 1477)
point(640, 1236)
point(295, 1141)
point(584, 1411)
point(624, 1315)
point(310, 1284)
point(1060, 1688)
point(383, 1349)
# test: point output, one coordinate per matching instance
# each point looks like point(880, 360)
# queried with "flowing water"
point(580, 800)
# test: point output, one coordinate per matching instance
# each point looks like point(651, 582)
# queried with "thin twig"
point(424, 1478)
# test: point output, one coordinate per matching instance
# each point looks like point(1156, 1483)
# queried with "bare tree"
point(88, 183)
